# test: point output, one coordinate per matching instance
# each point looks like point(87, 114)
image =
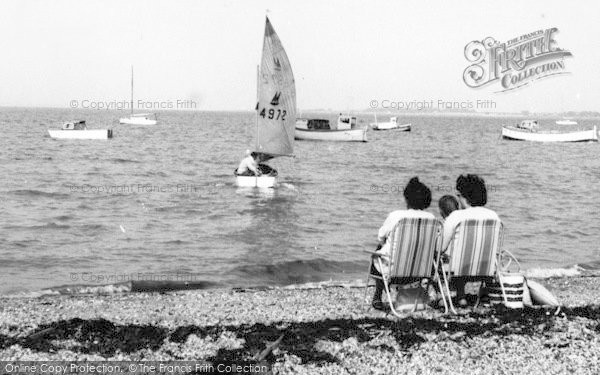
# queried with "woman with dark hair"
point(417, 198)
point(472, 196)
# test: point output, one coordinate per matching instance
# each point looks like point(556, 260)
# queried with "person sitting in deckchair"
point(249, 165)
point(472, 196)
point(417, 197)
point(447, 204)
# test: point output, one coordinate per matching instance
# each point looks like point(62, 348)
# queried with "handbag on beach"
point(508, 289)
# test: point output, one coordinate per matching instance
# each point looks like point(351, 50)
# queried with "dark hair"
point(472, 187)
point(417, 195)
point(447, 204)
point(254, 154)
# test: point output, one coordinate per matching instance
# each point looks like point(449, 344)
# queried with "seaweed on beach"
point(98, 336)
point(301, 338)
point(588, 312)
point(317, 342)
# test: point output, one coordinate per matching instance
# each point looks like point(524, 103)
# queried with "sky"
point(344, 53)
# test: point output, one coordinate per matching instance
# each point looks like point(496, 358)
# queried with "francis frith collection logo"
point(515, 63)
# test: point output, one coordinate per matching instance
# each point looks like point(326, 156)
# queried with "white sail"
point(276, 108)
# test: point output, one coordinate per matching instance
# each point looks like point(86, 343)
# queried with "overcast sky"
point(344, 53)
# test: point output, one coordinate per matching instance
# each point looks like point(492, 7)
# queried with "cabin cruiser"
point(79, 130)
point(346, 130)
point(529, 130)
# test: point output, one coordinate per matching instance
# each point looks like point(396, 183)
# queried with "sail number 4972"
point(277, 114)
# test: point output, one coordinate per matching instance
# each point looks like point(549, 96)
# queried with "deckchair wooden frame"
point(402, 274)
point(477, 250)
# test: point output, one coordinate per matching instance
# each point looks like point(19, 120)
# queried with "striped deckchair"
point(414, 244)
point(473, 252)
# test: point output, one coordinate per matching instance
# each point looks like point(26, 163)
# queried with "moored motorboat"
point(320, 130)
point(392, 124)
point(275, 111)
point(79, 130)
point(529, 131)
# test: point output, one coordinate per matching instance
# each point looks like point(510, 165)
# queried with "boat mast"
point(132, 90)
point(257, 109)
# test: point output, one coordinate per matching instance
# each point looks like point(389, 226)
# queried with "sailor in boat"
point(252, 165)
point(249, 165)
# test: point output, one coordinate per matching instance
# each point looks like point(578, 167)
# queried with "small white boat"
point(267, 180)
point(392, 124)
point(275, 110)
point(320, 130)
point(79, 130)
point(254, 181)
point(528, 131)
point(566, 122)
point(139, 118)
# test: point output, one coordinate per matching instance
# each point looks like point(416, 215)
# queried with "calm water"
point(159, 202)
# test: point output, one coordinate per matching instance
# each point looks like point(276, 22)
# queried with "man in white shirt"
point(417, 197)
point(472, 196)
point(249, 165)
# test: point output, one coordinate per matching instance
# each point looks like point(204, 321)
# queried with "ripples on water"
point(160, 201)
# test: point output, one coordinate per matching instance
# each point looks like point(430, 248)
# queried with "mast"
point(132, 90)
point(257, 108)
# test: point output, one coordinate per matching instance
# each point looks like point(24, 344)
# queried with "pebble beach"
point(308, 329)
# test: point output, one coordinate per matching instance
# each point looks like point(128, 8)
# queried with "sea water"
point(158, 203)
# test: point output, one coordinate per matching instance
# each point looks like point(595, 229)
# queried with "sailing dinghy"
point(137, 118)
point(275, 110)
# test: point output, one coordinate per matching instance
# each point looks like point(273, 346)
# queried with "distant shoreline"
point(366, 112)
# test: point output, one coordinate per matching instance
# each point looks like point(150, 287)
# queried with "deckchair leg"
point(369, 277)
point(442, 293)
point(367, 284)
point(389, 296)
point(387, 292)
point(449, 295)
point(440, 286)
